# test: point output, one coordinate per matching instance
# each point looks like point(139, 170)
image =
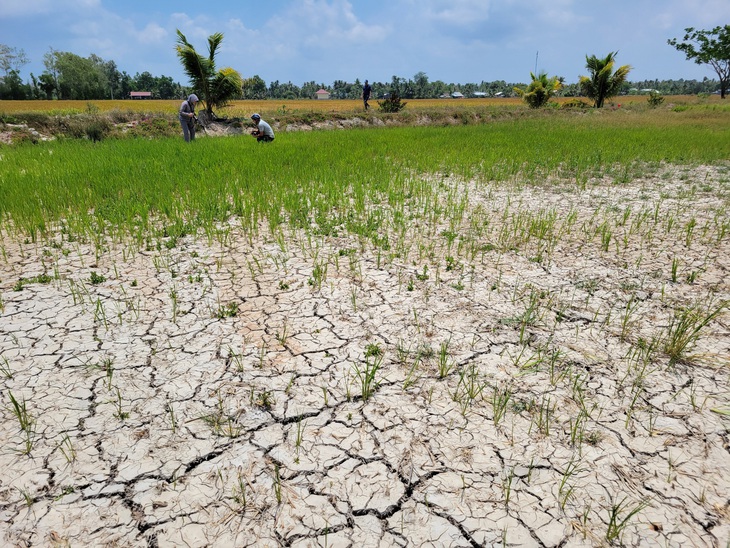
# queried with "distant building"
point(140, 95)
point(457, 95)
point(322, 94)
point(479, 94)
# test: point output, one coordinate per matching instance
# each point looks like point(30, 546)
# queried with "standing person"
point(366, 89)
point(263, 131)
point(187, 117)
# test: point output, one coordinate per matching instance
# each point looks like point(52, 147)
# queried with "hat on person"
point(255, 117)
point(193, 98)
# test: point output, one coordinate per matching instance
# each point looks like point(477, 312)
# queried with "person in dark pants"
point(187, 117)
point(263, 131)
point(366, 90)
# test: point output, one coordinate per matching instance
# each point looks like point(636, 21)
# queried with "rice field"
point(506, 333)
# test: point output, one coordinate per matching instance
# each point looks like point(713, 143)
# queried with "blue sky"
point(457, 41)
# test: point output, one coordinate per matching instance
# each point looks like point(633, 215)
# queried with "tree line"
point(70, 76)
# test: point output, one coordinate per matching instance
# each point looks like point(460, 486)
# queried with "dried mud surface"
point(214, 393)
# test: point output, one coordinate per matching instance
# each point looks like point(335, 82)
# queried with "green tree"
point(216, 87)
point(708, 47)
point(11, 59)
point(420, 85)
point(603, 82)
point(12, 87)
point(540, 90)
point(253, 88)
point(79, 77)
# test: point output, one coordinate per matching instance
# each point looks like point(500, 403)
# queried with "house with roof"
point(322, 94)
point(457, 95)
point(140, 95)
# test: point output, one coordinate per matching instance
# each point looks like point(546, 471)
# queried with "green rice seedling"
point(300, 435)
point(564, 489)
point(20, 411)
point(543, 419)
point(684, 328)
point(577, 427)
point(469, 388)
point(236, 358)
point(277, 484)
point(67, 449)
point(5, 369)
point(290, 384)
point(107, 365)
point(675, 268)
point(283, 335)
point(620, 515)
point(606, 235)
point(500, 402)
point(262, 355)
point(221, 423)
point(445, 363)
point(626, 318)
point(367, 375)
point(353, 297)
point(174, 303)
point(27, 497)
point(412, 376)
point(100, 313)
point(689, 230)
point(636, 391)
point(319, 274)
point(239, 491)
point(119, 413)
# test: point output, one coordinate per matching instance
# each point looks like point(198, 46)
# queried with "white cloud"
point(152, 34)
point(455, 12)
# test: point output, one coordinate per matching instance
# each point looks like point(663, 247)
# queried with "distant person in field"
point(366, 90)
point(187, 117)
point(263, 131)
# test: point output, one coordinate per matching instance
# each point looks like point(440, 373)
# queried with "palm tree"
point(216, 88)
point(540, 90)
point(603, 82)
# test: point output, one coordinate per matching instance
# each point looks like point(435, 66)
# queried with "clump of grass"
point(367, 374)
point(40, 279)
point(25, 421)
point(229, 310)
point(684, 329)
point(620, 515)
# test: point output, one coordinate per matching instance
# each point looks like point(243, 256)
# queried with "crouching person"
point(263, 131)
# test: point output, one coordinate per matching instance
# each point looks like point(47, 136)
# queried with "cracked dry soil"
point(215, 393)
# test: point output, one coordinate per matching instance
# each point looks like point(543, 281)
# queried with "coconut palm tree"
point(216, 88)
point(538, 93)
point(604, 82)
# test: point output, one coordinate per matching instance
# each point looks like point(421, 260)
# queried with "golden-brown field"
point(280, 106)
